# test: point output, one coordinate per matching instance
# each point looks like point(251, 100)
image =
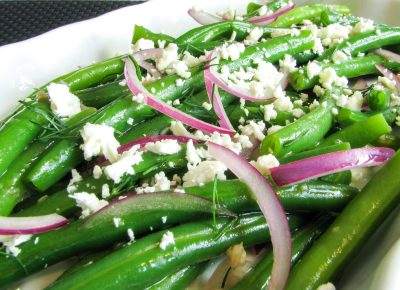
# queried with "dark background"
point(20, 20)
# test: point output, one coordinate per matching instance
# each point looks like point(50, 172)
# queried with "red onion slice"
point(270, 207)
point(389, 55)
point(137, 88)
point(389, 74)
point(267, 19)
point(212, 76)
point(203, 17)
point(143, 55)
point(30, 225)
point(314, 167)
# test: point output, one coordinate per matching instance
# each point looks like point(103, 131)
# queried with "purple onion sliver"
point(267, 19)
point(30, 225)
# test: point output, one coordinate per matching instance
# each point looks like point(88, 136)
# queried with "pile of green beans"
point(328, 217)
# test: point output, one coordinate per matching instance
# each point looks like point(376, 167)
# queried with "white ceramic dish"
point(31, 63)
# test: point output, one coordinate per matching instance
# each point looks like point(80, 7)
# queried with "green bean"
point(378, 99)
point(148, 211)
point(331, 16)
point(253, 8)
point(343, 177)
point(350, 230)
point(365, 41)
point(300, 135)
point(361, 133)
point(258, 277)
point(355, 67)
point(315, 152)
point(142, 263)
point(309, 12)
point(142, 32)
point(179, 280)
point(59, 202)
point(348, 117)
point(308, 196)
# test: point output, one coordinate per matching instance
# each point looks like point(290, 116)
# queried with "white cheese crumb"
point(130, 121)
point(265, 162)
point(139, 98)
point(62, 102)
point(36, 241)
point(288, 64)
point(269, 112)
point(122, 83)
point(164, 147)
point(88, 202)
point(99, 139)
point(313, 69)
point(283, 104)
point(207, 106)
point(131, 235)
point(328, 77)
point(297, 112)
point(255, 34)
point(314, 105)
point(12, 242)
point(253, 129)
point(191, 154)
point(178, 129)
point(339, 56)
point(327, 286)
point(167, 240)
point(334, 33)
point(105, 191)
point(161, 182)
point(231, 51)
point(363, 25)
point(179, 82)
point(176, 102)
point(76, 177)
point(124, 164)
point(204, 172)
point(117, 222)
point(164, 219)
point(97, 172)
point(143, 44)
point(360, 177)
point(273, 129)
point(264, 11)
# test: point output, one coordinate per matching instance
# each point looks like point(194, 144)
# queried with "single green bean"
point(350, 230)
point(142, 32)
point(361, 133)
point(142, 263)
point(378, 99)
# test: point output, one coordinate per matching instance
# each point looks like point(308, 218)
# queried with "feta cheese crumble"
point(12, 242)
point(99, 139)
point(255, 34)
point(204, 172)
point(328, 77)
point(62, 102)
point(167, 240)
point(327, 286)
point(75, 178)
point(264, 163)
point(363, 25)
point(164, 147)
point(97, 172)
point(124, 164)
point(142, 44)
point(161, 182)
point(88, 202)
point(313, 69)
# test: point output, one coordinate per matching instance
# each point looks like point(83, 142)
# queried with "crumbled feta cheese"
point(253, 129)
point(179, 82)
point(319, 91)
point(207, 106)
point(139, 98)
point(12, 242)
point(122, 83)
point(204, 172)
point(167, 240)
point(178, 129)
point(328, 77)
point(130, 121)
point(176, 102)
point(287, 64)
point(131, 235)
point(339, 56)
point(360, 177)
point(76, 177)
point(143, 44)
point(180, 68)
point(231, 50)
point(145, 188)
point(190, 60)
point(314, 105)
point(273, 129)
point(88, 202)
point(283, 104)
point(327, 286)
point(269, 112)
point(97, 172)
point(355, 101)
point(334, 33)
point(297, 112)
point(105, 191)
point(223, 140)
point(265, 162)
point(168, 57)
point(161, 182)
point(124, 164)
point(99, 139)
point(363, 25)
point(255, 34)
point(390, 84)
point(313, 69)
point(335, 111)
point(164, 147)
point(264, 11)
point(62, 102)
point(285, 31)
point(164, 219)
point(318, 47)
point(191, 154)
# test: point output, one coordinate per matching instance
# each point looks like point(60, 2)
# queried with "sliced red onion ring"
point(203, 17)
point(267, 19)
point(212, 76)
point(142, 56)
point(389, 74)
point(215, 99)
point(30, 225)
point(389, 55)
point(314, 167)
point(270, 207)
point(137, 88)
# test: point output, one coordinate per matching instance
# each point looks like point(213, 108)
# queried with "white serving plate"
point(29, 64)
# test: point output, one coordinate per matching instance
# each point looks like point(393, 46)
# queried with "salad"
point(255, 151)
